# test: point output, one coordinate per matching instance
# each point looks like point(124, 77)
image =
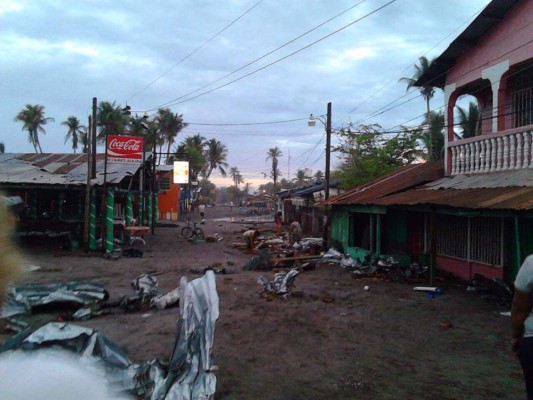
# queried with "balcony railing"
point(496, 152)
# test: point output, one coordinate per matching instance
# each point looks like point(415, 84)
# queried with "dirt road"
point(334, 341)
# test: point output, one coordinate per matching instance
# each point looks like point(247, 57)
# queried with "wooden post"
point(110, 216)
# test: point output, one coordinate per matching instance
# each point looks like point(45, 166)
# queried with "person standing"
point(201, 208)
point(279, 223)
point(522, 322)
point(295, 232)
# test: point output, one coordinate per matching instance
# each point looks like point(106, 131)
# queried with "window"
point(521, 87)
point(164, 183)
point(478, 239)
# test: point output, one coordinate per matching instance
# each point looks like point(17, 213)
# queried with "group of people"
point(294, 231)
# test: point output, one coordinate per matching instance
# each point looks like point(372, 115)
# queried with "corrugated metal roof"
point(511, 190)
point(58, 169)
point(491, 15)
point(396, 181)
point(509, 198)
point(518, 178)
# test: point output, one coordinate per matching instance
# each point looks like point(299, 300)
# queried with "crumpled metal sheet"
point(22, 299)
point(94, 348)
point(191, 370)
point(282, 283)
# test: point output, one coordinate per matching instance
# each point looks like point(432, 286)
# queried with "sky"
point(245, 72)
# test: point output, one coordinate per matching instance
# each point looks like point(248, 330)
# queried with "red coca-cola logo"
point(129, 145)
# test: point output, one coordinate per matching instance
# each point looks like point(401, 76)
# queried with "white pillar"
point(448, 91)
point(494, 75)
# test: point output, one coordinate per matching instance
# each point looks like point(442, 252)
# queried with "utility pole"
point(328, 151)
point(86, 228)
point(92, 132)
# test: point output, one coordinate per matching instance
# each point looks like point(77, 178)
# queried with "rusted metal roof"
point(396, 181)
point(59, 169)
point(421, 184)
point(509, 198)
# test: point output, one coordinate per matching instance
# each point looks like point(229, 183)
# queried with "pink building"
point(491, 60)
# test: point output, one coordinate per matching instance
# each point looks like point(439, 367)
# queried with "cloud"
point(7, 6)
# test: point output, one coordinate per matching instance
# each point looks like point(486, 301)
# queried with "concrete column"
point(450, 97)
point(494, 75)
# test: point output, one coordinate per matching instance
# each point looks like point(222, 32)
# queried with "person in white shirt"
point(522, 322)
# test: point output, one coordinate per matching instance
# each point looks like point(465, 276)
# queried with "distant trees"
point(2, 147)
point(33, 118)
point(367, 154)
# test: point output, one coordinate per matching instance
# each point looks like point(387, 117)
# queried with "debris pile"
point(147, 295)
point(493, 289)
point(188, 375)
point(281, 285)
point(27, 299)
point(373, 265)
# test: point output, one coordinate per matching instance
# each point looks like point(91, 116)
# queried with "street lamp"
point(327, 123)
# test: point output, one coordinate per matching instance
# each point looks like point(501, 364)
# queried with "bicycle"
point(192, 231)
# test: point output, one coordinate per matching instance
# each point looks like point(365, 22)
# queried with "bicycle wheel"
point(199, 233)
point(187, 232)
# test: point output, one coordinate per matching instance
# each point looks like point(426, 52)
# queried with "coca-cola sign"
point(124, 149)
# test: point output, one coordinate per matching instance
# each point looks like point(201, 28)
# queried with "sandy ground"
point(385, 343)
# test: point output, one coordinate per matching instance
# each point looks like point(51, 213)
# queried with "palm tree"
point(469, 121)
point(74, 131)
point(427, 91)
point(111, 119)
point(433, 138)
point(84, 141)
point(301, 177)
point(236, 176)
point(170, 124)
point(319, 176)
point(33, 119)
point(215, 156)
point(273, 154)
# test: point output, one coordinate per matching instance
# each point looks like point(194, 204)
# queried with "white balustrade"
point(501, 153)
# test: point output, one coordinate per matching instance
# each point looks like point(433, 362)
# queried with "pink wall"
point(497, 45)
point(463, 270)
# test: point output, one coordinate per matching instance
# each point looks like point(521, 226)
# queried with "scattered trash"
point(326, 297)
point(446, 325)
point(166, 300)
point(372, 265)
point(493, 289)
point(432, 291)
point(260, 262)
point(506, 313)
point(215, 237)
point(218, 271)
point(366, 288)
point(282, 283)
point(132, 252)
point(32, 268)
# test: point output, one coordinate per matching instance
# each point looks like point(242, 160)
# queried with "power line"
point(381, 110)
point(250, 123)
point(409, 66)
point(265, 55)
point(175, 102)
point(194, 51)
